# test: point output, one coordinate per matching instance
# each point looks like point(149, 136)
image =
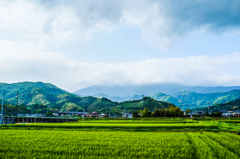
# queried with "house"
point(226, 113)
point(34, 115)
point(236, 113)
point(68, 113)
point(103, 115)
point(93, 114)
point(200, 113)
point(85, 115)
point(127, 115)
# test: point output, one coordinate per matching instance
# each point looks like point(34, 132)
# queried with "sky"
point(77, 44)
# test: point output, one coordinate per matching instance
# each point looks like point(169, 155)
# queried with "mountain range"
point(39, 97)
point(182, 96)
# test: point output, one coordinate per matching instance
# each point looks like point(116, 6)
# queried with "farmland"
point(166, 138)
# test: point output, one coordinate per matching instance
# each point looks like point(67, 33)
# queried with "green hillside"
point(231, 106)
point(39, 97)
point(199, 99)
point(193, 100)
point(165, 97)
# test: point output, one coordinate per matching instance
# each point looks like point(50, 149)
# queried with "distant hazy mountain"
point(128, 92)
point(169, 89)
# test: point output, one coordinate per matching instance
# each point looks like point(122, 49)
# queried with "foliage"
point(49, 114)
point(135, 114)
point(70, 107)
point(217, 114)
point(159, 113)
point(145, 112)
point(171, 111)
point(187, 111)
point(206, 114)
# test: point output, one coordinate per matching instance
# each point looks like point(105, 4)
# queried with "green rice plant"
point(114, 126)
point(230, 141)
point(114, 144)
point(218, 150)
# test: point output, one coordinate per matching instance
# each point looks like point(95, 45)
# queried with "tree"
point(174, 111)
point(135, 114)
point(49, 114)
point(69, 107)
point(105, 99)
point(207, 114)
point(217, 114)
point(145, 113)
point(36, 108)
point(187, 111)
point(157, 113)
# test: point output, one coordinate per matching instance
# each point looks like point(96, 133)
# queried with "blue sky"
point(76, 44)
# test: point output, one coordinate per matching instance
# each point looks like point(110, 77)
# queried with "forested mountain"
point(122, 93)
point(39, 97)
point(231, 106)
point(192, 100)
point(165, 97)
point(182, 96)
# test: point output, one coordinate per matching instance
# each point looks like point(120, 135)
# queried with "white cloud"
point(161, 22)
point(33, 22)
point(24, 65)
point(30, 30)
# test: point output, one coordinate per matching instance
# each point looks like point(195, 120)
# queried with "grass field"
point(122, 139)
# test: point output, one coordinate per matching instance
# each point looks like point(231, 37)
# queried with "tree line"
point(171, 111)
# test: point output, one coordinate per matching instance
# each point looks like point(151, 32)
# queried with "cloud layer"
point(71, 75)
point(30, 30)
point(161, 22)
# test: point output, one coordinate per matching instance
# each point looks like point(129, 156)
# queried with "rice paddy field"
point(172, 138)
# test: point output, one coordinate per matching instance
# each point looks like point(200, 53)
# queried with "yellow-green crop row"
point(135, 126)
point(116, 144)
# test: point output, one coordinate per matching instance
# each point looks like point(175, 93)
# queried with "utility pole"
point(238, 109)
point(208, 107)
point(17, 105)
point(83, 113)
point(2, 107)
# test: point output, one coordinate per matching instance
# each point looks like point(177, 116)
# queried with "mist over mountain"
point(127, 92)
point(183, 96)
